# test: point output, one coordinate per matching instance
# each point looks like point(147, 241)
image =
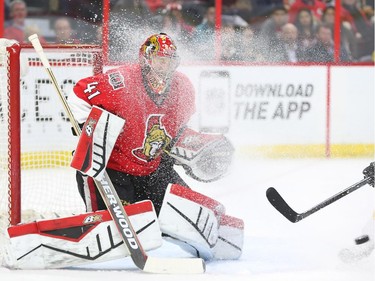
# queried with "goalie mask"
point(158, 59)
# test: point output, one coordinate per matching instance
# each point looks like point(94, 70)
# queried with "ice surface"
point(274, 248)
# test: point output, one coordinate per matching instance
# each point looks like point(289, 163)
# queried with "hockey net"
point(42, 184)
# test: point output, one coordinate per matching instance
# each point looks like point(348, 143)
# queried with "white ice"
point(274, 248)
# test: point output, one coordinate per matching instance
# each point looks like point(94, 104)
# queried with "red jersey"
point(17, 33)
point(148, 127)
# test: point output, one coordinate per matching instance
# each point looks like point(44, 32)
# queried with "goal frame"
point(14, 118)
point(14, 134)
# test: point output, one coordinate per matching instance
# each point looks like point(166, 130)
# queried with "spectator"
point(98, 35)
point(132, 10)
point(288, 48)
point(368, 9)
point(363, 28)
point(15, 29)
point(130, 19)
point(248, 48)
point(242, 8)
point(305, 24)
point(173, 23)
point(6, 10)
point(64, 32)
point(228, 43)
point(90, 10)
point(316, 6)
point(204, 35)
point(30, 30)
point(194, 10)
point(348, 40)
point(128, 16)
point(262, 8)
point(323, 49)
point(154, 5)
point(271, 28)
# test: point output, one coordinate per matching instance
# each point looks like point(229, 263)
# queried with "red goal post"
point(36, 142)
point(10, 130)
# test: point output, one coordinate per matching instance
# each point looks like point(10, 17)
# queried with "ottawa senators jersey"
point(149, 127)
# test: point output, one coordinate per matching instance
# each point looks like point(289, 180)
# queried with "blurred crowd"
point(285, 31)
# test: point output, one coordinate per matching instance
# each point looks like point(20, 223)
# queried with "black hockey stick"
point(279, 203)
point(115, 207)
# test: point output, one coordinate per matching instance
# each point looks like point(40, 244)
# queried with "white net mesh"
point(48, 186)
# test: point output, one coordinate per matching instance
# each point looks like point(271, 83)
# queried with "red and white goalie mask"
point(158, 58)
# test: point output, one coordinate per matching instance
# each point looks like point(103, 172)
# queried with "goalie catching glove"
point(205, 157)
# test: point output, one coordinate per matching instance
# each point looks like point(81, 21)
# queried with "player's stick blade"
point(175, 265)
point(279, 203)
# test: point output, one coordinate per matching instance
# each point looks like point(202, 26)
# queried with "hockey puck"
point(362, 239)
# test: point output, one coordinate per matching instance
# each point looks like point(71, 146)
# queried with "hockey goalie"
point(134, 127)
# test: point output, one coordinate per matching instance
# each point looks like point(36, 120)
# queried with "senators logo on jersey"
point(156, 139)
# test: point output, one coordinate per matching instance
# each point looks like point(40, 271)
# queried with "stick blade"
point(279, 203)
point(175, 265)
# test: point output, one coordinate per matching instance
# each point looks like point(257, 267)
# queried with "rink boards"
point(271, 111)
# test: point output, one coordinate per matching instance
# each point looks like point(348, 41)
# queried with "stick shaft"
point(335, 197)
point(280, 204)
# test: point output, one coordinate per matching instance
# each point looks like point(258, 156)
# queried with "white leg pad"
point(230, 241)
point(191, 217)
point(76, 240)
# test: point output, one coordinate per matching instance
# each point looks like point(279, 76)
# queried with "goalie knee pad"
point(80, 239)
point(199, 225)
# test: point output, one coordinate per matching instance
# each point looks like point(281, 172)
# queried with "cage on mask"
point(158, 58)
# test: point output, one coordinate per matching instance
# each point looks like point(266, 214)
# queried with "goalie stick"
point(115, 207)
point(279, 203)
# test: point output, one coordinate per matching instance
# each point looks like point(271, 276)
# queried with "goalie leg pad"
point(230, 241)
point(192, 218)
point(80, 239)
